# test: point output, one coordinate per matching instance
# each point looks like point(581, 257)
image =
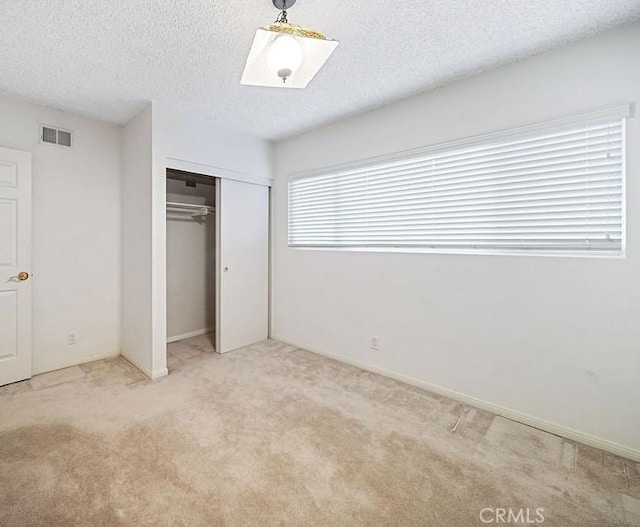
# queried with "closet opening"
point(191, 265)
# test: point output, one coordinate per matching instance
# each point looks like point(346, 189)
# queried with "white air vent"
point(55, 136)
point(49, 135)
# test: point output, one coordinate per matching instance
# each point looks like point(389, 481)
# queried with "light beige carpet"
point(273, 435)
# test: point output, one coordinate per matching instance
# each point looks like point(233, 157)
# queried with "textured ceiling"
point(104, 59)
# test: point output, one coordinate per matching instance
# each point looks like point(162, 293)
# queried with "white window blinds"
point(556, 189)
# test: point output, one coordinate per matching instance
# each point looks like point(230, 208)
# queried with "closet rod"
point(190, 209)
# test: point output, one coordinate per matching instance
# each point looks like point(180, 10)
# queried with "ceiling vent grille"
point(55, 136)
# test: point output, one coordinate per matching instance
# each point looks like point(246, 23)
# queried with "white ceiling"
point(104, 59)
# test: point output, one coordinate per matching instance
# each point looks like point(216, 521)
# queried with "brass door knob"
point(22, 276)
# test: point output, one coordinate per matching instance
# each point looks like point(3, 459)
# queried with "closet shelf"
point(188, 209)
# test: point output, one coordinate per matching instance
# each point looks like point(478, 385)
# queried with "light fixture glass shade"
point(285, 47)
point(284, 56)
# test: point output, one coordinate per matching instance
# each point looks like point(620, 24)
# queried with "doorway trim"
point(159, 236)
point(213, 171)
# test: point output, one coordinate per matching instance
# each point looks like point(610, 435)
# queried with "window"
point(556, 187)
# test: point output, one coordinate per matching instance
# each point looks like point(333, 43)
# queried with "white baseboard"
point(75, 362)
point(153, 375)
point(190, 334)
point(514, 415)
point(159, 374)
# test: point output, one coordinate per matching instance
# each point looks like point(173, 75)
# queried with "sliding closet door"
point(243, 264)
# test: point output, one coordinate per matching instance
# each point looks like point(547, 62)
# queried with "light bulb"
point(285, 56)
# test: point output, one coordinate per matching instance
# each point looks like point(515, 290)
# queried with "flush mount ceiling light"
point(285, 55)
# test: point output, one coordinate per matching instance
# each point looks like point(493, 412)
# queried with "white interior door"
point(242, 309)
point(15, 265)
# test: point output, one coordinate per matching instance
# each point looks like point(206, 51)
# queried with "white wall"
point(555, 340)
point(137, 170)
point(190, 263)
point(76, 234)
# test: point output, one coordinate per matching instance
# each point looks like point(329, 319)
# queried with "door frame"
point(159, 234)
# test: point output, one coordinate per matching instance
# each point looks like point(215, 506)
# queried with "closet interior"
point(191, 258)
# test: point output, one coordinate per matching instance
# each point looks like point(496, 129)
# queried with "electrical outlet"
point(72, 338)
point(375, 343)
